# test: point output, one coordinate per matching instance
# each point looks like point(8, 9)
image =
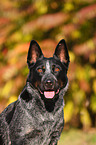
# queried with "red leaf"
point(85, 48)
point(45, 22)
point(88, 12)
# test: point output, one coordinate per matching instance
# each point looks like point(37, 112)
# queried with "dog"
point(36, 118)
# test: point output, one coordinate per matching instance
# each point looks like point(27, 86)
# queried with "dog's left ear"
point(34, 53)
point(61, 52)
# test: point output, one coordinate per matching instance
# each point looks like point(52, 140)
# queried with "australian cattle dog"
point(37, 118)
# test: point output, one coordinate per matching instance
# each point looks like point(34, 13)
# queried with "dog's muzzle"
point(49, 86)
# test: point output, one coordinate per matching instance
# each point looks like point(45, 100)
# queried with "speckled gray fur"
point(32, 119)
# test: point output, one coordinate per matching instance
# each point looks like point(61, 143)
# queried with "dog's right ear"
point(34, 53)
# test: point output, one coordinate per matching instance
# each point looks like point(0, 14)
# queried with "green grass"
point(77, 137)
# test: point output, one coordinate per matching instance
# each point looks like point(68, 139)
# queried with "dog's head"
point(48, 75)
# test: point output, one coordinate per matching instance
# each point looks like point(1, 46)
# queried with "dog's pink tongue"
point(49, 94)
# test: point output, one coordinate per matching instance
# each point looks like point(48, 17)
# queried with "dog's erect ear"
point(61, 52)
point(34, 53)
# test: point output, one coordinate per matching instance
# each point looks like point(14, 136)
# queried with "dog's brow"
point(48, 69)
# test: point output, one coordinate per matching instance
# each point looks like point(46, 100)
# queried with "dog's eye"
point(43, 68)
point(40, 70)
point(56, 69)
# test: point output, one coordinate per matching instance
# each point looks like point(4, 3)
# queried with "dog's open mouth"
point(49, 94)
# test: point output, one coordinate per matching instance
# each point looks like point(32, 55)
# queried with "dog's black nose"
point(49, 84)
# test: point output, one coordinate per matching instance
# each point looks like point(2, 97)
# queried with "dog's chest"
point(36, 127)
point(43, 122)
point(45, 127)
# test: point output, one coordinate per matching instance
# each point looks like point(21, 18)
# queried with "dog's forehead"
point(48, 62)
point(51, 61)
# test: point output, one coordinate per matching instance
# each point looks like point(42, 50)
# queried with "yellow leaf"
point(93, 103)
point(68, 6)
point(72, 56)
point(17, 36)
point(80, 73)
point(85, 118)
point(76, 34)
point(74, 86)
point(11, 99)
point(79, 96)
point(91, 44)
point(94, 86)
point(12, 60)
point(68, 111)
point(93, 72)
point(41, 6)
point(7, 89)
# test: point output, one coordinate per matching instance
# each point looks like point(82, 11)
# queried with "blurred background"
point(49, 21)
